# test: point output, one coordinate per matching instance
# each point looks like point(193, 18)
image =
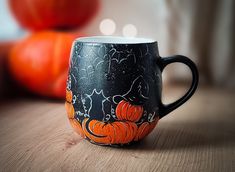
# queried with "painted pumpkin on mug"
point(71, 113)
point(126, 111)
point(122, 131)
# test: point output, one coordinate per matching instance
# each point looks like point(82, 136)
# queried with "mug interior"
point(114, 40)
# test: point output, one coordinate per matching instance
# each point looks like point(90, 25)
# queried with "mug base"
point(119, 145)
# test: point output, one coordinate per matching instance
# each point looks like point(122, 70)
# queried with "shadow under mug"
point(114, 86)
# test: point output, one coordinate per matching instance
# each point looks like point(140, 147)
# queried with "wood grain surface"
point(35, 135)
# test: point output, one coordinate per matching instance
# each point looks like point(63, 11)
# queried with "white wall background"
point(9, 29)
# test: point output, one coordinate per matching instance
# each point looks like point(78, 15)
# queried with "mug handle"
point(165, 109)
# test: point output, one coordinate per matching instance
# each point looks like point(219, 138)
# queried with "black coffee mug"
point(114, 87)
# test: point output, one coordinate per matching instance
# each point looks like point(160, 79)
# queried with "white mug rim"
point(114, 40)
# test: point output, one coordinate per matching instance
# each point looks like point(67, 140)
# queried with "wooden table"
point(35, 135)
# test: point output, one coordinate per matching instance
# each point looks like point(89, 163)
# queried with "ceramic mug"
point(114, 87)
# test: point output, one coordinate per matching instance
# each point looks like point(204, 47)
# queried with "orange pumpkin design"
point(127, 111)
point(145, 128)
point(118, 132)
point(68, 104)
point(77, 127)
point(69, 96)
point(70, 110)
point(109, 133)
point(71, 113)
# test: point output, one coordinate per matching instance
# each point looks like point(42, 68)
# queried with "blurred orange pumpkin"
point(40, 62)
point(53, 14)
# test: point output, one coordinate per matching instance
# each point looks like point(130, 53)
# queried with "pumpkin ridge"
point(128, 116)
point(133, 114)
point(118, 109)
point(135, 128)
point(126, 133)
point(70, 110)
point(123, 111)
point(115, 132)
point(69, 96)
point(141, 130)
point(114, 137)
point(123, 133)
point(86, 126)
point(93, 127)
point(131, 133)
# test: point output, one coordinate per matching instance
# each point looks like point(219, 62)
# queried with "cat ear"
point(95, 91)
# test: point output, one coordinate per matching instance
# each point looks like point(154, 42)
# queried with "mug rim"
point(115, 40)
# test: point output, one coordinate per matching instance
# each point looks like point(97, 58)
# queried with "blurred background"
point(201, 30)
point(35, 42)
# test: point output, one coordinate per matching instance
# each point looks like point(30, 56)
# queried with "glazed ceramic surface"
point(114, 85)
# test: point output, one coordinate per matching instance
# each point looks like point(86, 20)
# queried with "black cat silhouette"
point(93, 104)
